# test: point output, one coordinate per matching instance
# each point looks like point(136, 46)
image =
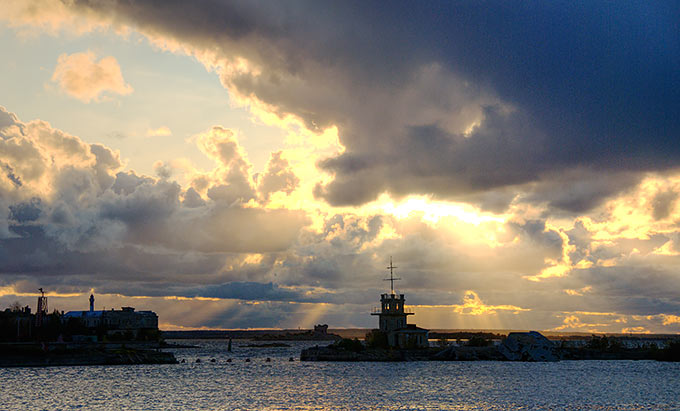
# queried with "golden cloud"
point(572, 322)
point(473, 305)
point(580, 291)
point(80, 75)
point(48, 15)
point(636, 330)
point(670, 319)
point(162, 131)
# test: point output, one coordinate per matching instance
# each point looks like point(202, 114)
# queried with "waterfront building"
point(393, 319)
point(125, 321)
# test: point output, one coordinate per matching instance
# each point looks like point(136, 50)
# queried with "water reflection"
point(282, 384)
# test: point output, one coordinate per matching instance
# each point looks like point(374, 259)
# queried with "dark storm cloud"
point(248, 315)
point(579, 190)
point(10, 175)
point(27, 211)
point(552, 86)
point(32, 252)
point(426, 159)
point(239, 290)
point(249, 291)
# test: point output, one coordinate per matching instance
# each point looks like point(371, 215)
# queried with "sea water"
point(281, 384)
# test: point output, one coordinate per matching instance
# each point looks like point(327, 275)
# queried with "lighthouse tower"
point(91, 302)
point(392, 319)
point(392, 315)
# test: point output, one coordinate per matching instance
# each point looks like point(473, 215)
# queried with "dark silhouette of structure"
point(392, 319)
point(124, 323)
point(41, 311)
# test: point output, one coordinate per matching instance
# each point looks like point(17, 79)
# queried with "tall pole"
point(391, 267)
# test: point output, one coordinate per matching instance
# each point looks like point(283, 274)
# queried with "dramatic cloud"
point(519, 162)
point(469, 99)
point(230, 182)
point(80, 75)
point(70, 211)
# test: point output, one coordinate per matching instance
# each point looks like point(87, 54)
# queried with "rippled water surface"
point(283, 385)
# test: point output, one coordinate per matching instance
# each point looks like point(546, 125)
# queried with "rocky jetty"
point(531, 346)
point(517, 346)
point(35, 355)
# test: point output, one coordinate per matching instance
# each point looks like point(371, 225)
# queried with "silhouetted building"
point(123, 321)
point(392, 320)
point(321, 329)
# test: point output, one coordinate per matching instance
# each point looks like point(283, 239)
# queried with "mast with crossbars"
point(391, 267)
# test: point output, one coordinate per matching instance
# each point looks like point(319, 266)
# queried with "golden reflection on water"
point(293, 385)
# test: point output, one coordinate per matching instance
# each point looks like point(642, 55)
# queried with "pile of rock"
point(531, 346)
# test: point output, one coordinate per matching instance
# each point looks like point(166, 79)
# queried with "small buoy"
point(198, 360)
point(247, 359)
point(212, 360)
point(291, 359)
point(268, 360)
point(228, 359)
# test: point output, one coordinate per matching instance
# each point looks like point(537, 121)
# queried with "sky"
point(254, 164)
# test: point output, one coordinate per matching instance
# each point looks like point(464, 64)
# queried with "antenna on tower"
point(391, 267)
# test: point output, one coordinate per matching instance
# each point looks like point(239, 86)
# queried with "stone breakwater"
point(531, 346)
point(36, 356)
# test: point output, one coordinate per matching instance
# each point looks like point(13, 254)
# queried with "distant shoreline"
point(361, 332)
